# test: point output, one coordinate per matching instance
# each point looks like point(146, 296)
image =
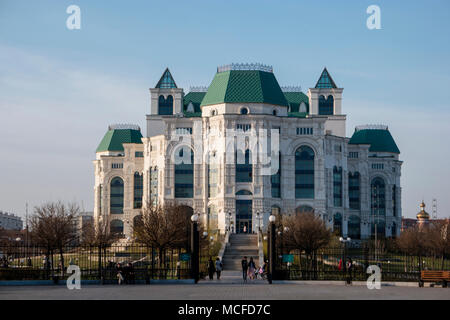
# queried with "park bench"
point(434, 276)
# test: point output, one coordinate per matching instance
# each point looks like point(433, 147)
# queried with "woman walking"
point(211, 269)
point(251, 269)
point(219, 267)
point(349, 271)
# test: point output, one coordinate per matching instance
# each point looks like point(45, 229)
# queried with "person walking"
point(219, 267)
point(251, 269)
point(349, 266)
point(244, 264)
point(211, 269)
point(120, 277)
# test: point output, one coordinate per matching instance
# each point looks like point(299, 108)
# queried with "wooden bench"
point(434, 276)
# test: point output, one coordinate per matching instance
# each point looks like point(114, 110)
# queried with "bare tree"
point(163, 228)
point(438, 238)
point(96, 233)
point(53, 226)
point(306, 232)
point(413, 241)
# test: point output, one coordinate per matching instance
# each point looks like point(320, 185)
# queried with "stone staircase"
point(240, 245)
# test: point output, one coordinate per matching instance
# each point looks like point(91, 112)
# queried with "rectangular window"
point(183, 131)
point(353, 155)
point(117, 165)
point(377, 166)
point(337, 187)
point(275, 179)
point(139, 154)
point(304, 131)
point(337, 148)
point(243, 127)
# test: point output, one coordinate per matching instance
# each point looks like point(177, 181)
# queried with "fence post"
point(100, 272)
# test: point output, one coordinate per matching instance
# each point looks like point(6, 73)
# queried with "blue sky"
point(59, 89)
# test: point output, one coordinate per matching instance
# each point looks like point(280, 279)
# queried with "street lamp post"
point(195, 247)
point(272, 219)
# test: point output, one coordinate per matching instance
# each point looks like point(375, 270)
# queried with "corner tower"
point(325, 99)
point(166, 100)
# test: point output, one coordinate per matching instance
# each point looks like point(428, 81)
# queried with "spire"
point(325, 81)
point(166, 81)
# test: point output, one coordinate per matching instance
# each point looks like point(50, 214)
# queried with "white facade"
point(235, 204)
point(9, 221)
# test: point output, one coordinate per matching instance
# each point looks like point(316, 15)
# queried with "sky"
point(61, 88)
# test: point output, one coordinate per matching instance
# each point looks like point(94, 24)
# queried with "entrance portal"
point(244, 216)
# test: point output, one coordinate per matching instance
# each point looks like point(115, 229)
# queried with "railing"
point(137, 262)
point(329, 264)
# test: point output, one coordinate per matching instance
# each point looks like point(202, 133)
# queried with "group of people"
point(249, 270)
point(214, 267)
point(125, 274)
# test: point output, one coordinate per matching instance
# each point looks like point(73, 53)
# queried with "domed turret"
point(422, 216)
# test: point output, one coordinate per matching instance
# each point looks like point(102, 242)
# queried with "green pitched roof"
point(166, 81)
point(251, 86)
point(114, 139)
point(325, 80)
point(196, 99)
point(295, 98)
point(380, 140)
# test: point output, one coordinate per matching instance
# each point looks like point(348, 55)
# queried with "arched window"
point(138, 190)
point(244, 167)
point(354, 227)
point(165, 106)
point(354, 190)
point(304, 209)
point(337, 186)
point(378, 196)
point(244, 111)
point(326, 106)
point(184, 173)
point(116, 227)
point(394, 230)
point(274, 112)
point(116, 196)
point(304, 173)
point(275, 180)
point(137, 220)
point(337, 223)
point(275, 210)
point(302, 108)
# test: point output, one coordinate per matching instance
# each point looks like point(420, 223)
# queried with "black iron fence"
point(135, 262)
point(330, 264)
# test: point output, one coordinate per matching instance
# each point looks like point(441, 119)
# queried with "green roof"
point(325, 80)
point(114, 139)
point(380, 140)
point(295, 98)
point(244, 86)
point(166, 81)
point(196, 99)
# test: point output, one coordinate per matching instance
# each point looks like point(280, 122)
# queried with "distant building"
point(81, 220)
point(9, 221)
